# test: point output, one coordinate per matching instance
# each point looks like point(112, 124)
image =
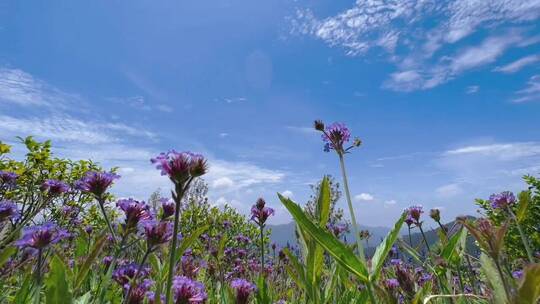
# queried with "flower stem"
point(351, 210)
point(38, 276)
point(101, 203)
point(172, 252)
point(134, 281)
point(522, 235)
point(424, 237)
point(262, 249)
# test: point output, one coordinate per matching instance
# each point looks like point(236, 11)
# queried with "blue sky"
point(444, 94)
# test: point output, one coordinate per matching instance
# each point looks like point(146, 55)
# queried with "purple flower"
point(518, 274)
point(122, 275)
point(335, 136)
point(338, 229)
point(96, 183)
point(135, 212)
point(41, 236)
point(89, 229)
point(190, 268)
point(157, 233)
point(391, 283)
point(502, 200)
point(54, 187)
point(242, 239)
point(8, 210)
point(168, 206)
point(138, 292)
point(107, 260)
point(186, 290)
point(8, 179)
point(413, 215)
point(179, 166)
point(396, 262)
point(260, 213)
point(243, 290)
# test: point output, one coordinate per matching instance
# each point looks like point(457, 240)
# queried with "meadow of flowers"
point(65, 239)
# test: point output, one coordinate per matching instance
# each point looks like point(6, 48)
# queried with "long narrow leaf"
point(384, 247)
point(96, 250)
point(341, 253)
point(57, 287)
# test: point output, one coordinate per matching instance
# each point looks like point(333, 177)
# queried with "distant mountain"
point(281, 234)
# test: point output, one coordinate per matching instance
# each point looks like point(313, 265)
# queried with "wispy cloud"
point(518, 64)
point(421, 75)
point(423, 51)
point(19, 87)
point(472, 89)
point(140, 103)
point(531, 92)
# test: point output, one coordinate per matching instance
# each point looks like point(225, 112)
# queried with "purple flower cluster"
point(41, 236)
point(243, 289)
point(179, 166)
point(335, 135)
point(338, 229)
point(8, 179)
point(502, 200)
point(134, 211)
point(260, 213)
point(167, 207)
point(8, 210)
point(96, 183)
point(186, 290)
point(123, 274)
point(157, 232)
point(54, 187)
point(138, 292)
point(413, 215)
point(391, 283)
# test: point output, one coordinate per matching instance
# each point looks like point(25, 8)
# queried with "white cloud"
point(506, 151)
point(139, 103)
point(422, 49)
point(448, 191)
point(223, 182)
point(472, 89)
point(363, 197)
point(531, 92)
point(67, 128)
point(19, 87)
point(241, 174)
point(518, 64)
point(389, 203)
point(287, 193)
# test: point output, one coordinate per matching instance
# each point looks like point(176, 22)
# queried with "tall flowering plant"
point(335, 137)
point(181, 168)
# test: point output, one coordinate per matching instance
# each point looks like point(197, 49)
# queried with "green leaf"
point(6, 253)
point(84, 299)
point(341, 253)
point(493, 278)
point(297, 270)
point(323, 202)
point(529, 288)
point(96, 250)
point(24, 291)
point(524, 198)
point(450, 251)
point(188, 242)
point(57, 286)
point(384, 247)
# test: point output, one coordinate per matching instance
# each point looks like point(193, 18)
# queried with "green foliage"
point(527, 211)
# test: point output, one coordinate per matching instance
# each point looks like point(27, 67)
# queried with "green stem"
point(101, 290)
point(38, 276)
point(262, 249)
point(101, 203)
point(522, 235)
point(424, 237)
point(351, 210)
point(134, 281)
point(172, 254)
